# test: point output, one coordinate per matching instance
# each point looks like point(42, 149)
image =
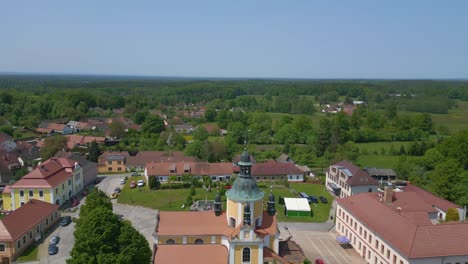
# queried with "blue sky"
point(294, 39)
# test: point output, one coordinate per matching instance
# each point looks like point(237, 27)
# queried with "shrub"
point(452, 215)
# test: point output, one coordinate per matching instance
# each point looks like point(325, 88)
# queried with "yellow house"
point(24, 226)
point(245, 233)
point(113, 162)
point(54, 181)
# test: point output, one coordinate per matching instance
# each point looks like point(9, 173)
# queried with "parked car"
point(135, 174)
point(319, 261)
point(54, 240)
point(114, 195)
point(75, 202)
point(53, 249)
point(125, 177)
point(117, 190)
point(141, 183)
point(122, 181)
point(66, 220)
point(323, 199)
point(132, 184)
point(305, 195)
point(313, 199)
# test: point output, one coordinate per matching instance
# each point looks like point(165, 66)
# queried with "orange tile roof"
point(191, 223)
point(430, 198)
point(196, 168)
point(268, 254)
point(74, 140)
point(273, 167)
point(51, 173)
point(412, 235)
point(195, 254)
point(24, 219)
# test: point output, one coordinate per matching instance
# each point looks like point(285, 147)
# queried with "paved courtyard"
point(318, 240)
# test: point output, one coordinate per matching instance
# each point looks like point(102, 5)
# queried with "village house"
point(139, 161)
point(74, 141)
point(24, 226)
point(345, 179)
point(15, 155)
point(272, 170)
point(54, 181)
point(382, 175)
point(184, 128)
point(78, 126)
point(89, 167)
point(222, 171)
point(51, 128)
point(113, 161)
point(7, 143)
point(399, 228)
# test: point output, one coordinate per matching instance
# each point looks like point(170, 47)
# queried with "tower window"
point(199, 241)
point(246, 255)
point(170, 241)
point(232, 222)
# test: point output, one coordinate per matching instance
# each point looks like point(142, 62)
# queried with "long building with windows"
point(345, 179)
point(54, 181)
point(244, 233)
point(400, 228)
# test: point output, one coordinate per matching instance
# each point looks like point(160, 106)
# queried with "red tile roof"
point(80, 140)
point(25, 218)
point(191, 223)
point(430, 198)
point(196, 168)
point(272, 167)
point(407, 232)
point(144, 157)
point(51, 173)
point(196, 254)
point(360, 176)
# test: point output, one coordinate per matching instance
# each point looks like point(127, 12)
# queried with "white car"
point(122, 181)
point(141, 183)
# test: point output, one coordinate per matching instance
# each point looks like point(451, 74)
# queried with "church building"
point(244, 233)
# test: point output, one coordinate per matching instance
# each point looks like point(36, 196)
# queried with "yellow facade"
point(112, 166)
point(232, 209)
point(253, 254)
point(64, 191)
point(188, 239)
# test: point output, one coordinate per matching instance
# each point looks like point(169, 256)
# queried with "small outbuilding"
point(296, 207)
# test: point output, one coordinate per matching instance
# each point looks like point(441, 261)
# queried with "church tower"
point(244, 197)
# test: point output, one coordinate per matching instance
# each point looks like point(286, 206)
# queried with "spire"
point(217, 205)
point(271, 204)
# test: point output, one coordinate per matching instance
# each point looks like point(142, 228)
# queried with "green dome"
point(244, 189)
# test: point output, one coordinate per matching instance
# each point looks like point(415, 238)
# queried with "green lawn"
point(164, 200)
point(30, 254)
point(376, 147)
point(378, 161)
point(454, 121)
point(172, 200)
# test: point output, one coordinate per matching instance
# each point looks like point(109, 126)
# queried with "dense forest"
point(274, 116)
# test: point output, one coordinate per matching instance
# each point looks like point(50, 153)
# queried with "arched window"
point(170, 241)
point(246, 255)
point(199, 241)
point(232, 222)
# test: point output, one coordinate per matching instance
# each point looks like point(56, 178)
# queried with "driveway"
point(143, 219)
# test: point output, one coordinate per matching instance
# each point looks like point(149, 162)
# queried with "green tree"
point(95, 199)
point(445, 177)
point(134, 247)
point(200, 133)
point(153, 124)
point(210, 114)
point(116, 129)
point(152, 183)
point(53, 144)
point(94, 151)
point(431, 158)
point(452, 215)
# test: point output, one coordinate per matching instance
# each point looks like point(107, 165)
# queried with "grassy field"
point(172, 200)
point(29, 255)
point(378, 161)
point(376, 147)
point(454, 121)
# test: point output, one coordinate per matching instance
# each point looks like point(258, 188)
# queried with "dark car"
point(53, 249)
point(66, 220)
point(117, 190)
point(313, 199)
point(75, 202)
point(319, 261)
point(135, 174)
point(323, 199)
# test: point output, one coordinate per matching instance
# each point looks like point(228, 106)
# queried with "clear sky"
point(294, 38)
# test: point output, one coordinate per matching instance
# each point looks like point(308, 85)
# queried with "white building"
point(400, 228)
point(345, 179)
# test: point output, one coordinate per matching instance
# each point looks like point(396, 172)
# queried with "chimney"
point(388, 195)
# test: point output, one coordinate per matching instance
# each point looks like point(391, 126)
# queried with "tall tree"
point(153, 124)
point(52, 145)
point(94, 151)
point(116, 129)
